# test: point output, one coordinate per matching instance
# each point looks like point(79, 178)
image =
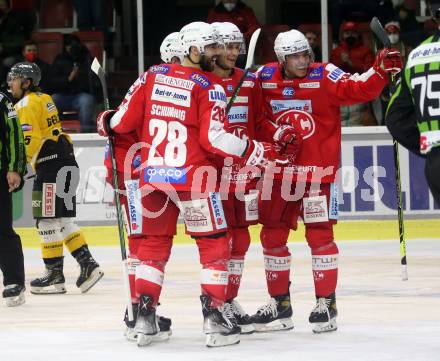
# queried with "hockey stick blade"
point(99, 71)
point(378, 30)
point(251, 49)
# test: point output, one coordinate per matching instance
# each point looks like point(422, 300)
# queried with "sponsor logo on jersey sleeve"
point(297, 104)
point(165, 175)
point(250, 75)
point(310, 85)
point(267, 73)
point(168, 94)
point(335, 74)
point(217, 96)
point(288, 92)
point(159, 69)
point(316, 73)
point(200, 79)
point(11, 111)
point(238, 114)
point(50, 107)
point(26, 127)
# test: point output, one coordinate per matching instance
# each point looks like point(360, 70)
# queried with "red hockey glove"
point(260, 154)
point(388, 61)
point(285, 134)
point(103, 122)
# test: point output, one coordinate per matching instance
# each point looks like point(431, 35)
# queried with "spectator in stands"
point(73, 83)
point(351, 55)
point(236, 12)
point(312, 38)
point(30, 53)
point(393, 30)
point(12, 37)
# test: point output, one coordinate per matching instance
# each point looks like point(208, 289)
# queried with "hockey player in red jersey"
point(179, 114)
point(245, 120)
point(302, 93)
point(129, 194)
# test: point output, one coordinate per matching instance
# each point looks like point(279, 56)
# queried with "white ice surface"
point(380, 318)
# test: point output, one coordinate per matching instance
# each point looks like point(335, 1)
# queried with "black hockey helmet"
point(26, 70)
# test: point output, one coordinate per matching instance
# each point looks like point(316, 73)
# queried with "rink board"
point(367, 188)
point(344, 231)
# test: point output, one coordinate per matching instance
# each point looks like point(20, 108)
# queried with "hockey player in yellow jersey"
point(50, 152)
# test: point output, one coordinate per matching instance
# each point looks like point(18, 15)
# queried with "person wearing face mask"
point(393, 30)
point(351, 55)
point(30, 54)
point(235, 12)
point(72, 82)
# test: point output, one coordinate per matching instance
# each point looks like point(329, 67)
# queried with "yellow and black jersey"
point(40, 122)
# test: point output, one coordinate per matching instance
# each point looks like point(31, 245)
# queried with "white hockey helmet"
point(170, 48)
point(230, 33)
point(290, 42)
point(198, 34)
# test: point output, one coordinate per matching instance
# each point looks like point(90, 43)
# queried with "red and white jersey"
point(312, 104)
point(178, 113)
point(245, 118)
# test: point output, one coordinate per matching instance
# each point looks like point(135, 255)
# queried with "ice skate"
point(323, 316)
point(146, 324)
point(244, 321)
point(90, 272)
point(274, 316)
point(52, 282)
point(14, 295)
point(163, 324)
point(219, 324)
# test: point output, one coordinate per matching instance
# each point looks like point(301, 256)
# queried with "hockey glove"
point(388, 61)
point(260, 154)
point(103, 123)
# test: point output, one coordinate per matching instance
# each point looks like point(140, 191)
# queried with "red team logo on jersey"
point(298, 118)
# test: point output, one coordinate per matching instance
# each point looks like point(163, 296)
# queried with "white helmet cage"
point(170, 48)
point(230, 33)
point(291, 42)
point(198, 34)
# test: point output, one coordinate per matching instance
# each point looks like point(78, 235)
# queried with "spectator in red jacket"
point(351, 55)
point(236, 12)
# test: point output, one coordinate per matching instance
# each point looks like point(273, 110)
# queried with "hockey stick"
point(382, 36)
point(97, 69)
point(249, 63)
